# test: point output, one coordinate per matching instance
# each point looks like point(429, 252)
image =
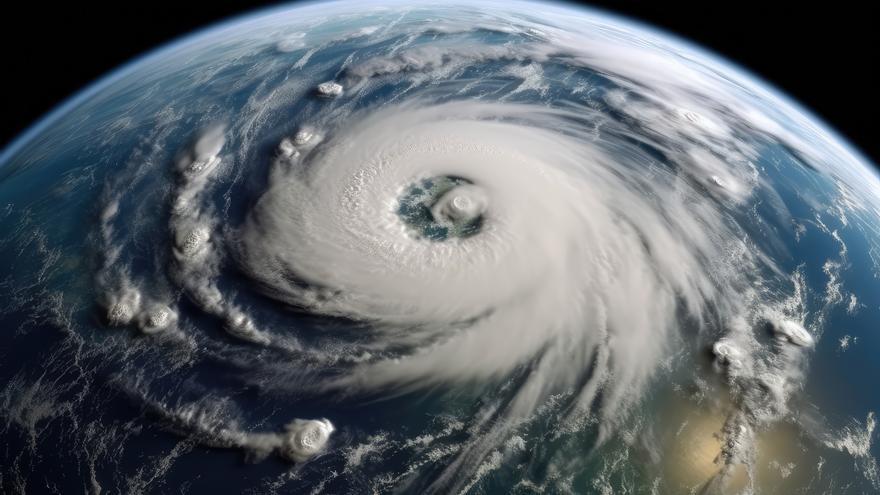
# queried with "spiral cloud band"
point(566, 249)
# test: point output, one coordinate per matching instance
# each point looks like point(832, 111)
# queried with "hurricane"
point(562, 250)
point(390, 248)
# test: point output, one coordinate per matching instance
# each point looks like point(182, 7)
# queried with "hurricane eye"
point(443, 207)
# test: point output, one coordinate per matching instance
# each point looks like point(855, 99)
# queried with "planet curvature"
point(498, 247)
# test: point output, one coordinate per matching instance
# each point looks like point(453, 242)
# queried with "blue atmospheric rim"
point(161, 50)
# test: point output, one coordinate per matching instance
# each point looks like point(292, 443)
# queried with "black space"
point(822, 54)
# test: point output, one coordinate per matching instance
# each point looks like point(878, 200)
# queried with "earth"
point(393, 247)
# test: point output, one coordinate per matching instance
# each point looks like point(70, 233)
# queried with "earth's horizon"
point(388, 247)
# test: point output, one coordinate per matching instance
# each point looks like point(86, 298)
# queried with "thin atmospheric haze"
point(401, 247)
